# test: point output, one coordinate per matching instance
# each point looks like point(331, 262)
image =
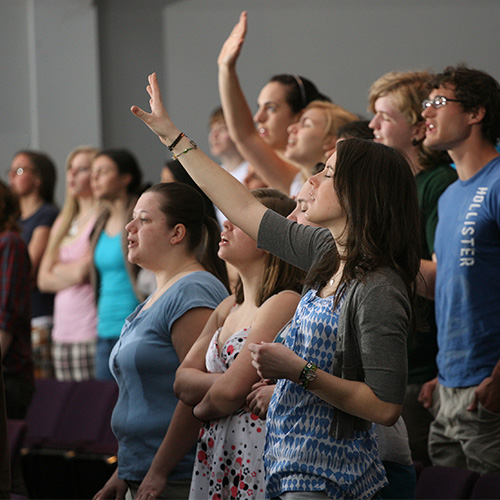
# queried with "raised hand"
point(232, 46)
point(158, 120)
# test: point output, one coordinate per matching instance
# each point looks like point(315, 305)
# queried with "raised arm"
point(234, 200)
point(273, 169)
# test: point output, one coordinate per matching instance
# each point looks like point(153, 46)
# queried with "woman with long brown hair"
point(343, 364)
point(217, 374)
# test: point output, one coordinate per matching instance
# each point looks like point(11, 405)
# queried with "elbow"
point(389, 415)
point(42, 284)
point(182, 392)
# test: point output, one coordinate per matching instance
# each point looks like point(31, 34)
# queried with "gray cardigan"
point(373, 323)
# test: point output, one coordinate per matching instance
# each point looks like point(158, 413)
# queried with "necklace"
point(157, 293)
point(75, 223)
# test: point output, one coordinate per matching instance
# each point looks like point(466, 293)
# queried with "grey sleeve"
point(382, 320)
point(296, 244)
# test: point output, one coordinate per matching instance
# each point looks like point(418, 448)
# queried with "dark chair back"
point(438, 482)
point(487, 486)
point(16, 430)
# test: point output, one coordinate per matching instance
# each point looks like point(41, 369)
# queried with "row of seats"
point(67, 448)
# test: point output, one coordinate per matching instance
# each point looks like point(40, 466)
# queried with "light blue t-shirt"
point(467, 247)
point(300, 454)
point(116, 293)
point(144, 363)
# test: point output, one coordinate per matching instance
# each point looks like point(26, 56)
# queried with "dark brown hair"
point(300, 91)
point(9, 209)
point(475, 89)
point(45, 169)
point(126, 163)
point(377, 191)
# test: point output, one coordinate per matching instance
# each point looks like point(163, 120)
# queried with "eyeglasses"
point(18, 171)
point(438, 102)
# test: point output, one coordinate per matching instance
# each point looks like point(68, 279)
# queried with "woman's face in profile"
point(274, 115)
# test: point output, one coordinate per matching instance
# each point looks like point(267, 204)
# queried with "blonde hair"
point(71, 206)
point(336, 116)
point(217, 116)
point(408, 89)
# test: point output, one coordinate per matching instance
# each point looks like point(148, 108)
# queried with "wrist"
point(170, 136)
point(308, 374)
point(227, 69)
point(182, 144)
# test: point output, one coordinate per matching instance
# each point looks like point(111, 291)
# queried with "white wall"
point(50, 84)
point(72, 68)
point(343, 46)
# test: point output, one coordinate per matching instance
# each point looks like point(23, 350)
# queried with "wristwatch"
point(308, 374)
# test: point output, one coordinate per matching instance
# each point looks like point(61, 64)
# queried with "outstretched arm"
point(235, 201)
point(275, 171)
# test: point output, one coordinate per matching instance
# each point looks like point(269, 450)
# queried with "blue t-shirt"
point(117, 298)
point(300, 454)
point(42, 304)
point(467, 247)
point(144, 363)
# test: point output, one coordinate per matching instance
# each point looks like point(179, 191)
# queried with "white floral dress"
point(228, 463)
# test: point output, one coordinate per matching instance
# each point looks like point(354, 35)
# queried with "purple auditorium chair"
point(86, 415)
point(45, 410)
point(487, 486)
point(80, 423)
point(438, 482)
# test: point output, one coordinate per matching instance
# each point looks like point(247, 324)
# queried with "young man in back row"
point(462, 116)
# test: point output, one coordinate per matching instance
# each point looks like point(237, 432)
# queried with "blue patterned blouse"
point(300, 455)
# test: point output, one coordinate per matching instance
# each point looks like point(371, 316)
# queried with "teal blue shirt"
point(116, 294)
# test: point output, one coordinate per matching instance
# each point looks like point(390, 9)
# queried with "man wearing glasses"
point(462, 116)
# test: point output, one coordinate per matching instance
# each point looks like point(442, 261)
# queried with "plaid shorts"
point(74, 361)
point(41, 332)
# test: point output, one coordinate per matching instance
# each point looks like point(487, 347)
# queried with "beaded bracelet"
point(308, 374)
point(193, 146)
point(179, 137)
